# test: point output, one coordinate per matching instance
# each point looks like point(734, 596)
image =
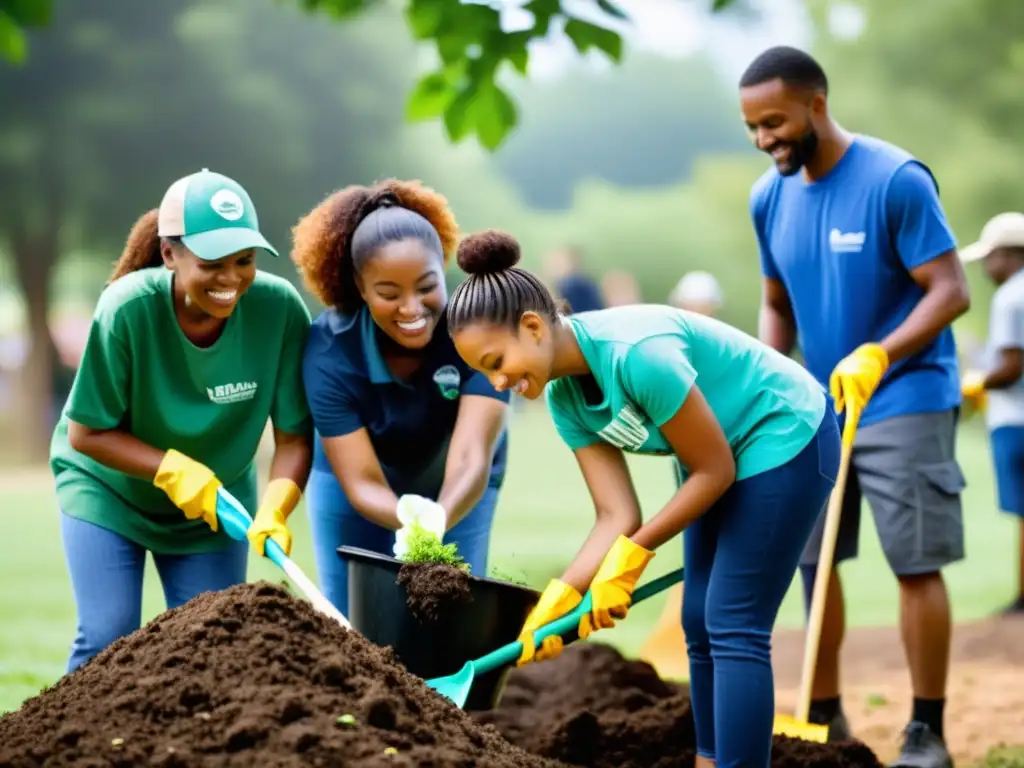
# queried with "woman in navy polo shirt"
point(396, 410)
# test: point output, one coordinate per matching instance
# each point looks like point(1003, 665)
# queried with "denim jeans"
point(335, 522)
point(741, 556)
point(106, 577)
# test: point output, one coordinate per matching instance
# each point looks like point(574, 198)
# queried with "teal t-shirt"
point(140, 373)
point(645, 358)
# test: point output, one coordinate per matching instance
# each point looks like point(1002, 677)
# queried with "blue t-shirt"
point(645, 358)
point(581, 291)
point(843, 246)
point(410, 422)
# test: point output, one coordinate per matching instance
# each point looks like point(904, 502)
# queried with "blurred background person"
point(570, 281)
point(997, 387)
point(620, 288)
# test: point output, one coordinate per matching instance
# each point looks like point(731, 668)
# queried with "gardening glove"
point(611, 591)
point(557, 600)
point(413, 510)
point(972, 389)
point(856, 378)
point(191, 486)
point(280, 498)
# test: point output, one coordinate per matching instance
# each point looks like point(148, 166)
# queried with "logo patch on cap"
point(227, 204)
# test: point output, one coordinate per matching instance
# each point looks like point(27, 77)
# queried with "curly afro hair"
point(496, 291)
point(333, 241)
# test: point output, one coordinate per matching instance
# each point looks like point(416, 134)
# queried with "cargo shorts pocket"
point(940, 531)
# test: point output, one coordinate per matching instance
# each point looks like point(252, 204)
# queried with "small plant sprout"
point(425, 547)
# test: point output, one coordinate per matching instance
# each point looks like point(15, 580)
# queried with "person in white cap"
point(998, 390)
point(697, 291)
point(189, 353)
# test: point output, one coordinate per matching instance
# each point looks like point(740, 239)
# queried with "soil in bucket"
point(592, 707)
point(250, 676)
point(432, 587)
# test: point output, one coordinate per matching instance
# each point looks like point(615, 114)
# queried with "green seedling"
point(877, 700)
point(425, 547)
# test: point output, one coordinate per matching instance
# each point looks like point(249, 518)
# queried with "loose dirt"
point(248, 676)
point(985, 701)
point(591, 707)
point(432, 587)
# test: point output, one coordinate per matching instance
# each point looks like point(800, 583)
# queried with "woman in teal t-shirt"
point(758, 447)
point(191, 350)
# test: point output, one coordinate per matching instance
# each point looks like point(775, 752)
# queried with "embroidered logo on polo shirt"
point(448, 380)
point(232, 393)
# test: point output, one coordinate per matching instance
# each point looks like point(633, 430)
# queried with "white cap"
point(697, 287)
point(1005, 230)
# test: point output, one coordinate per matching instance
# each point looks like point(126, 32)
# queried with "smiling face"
point(519, 359)
point(212, 288)
point(783, 122)
point(403, 286)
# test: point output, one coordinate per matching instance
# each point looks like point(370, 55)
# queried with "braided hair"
point(496, 291)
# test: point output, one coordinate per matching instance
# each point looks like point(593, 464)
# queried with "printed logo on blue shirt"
point(448, 381)
point(626, 431)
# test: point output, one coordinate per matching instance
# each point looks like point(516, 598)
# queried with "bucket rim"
point(349, 552)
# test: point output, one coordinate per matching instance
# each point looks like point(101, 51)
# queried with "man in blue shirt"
point(859, 262)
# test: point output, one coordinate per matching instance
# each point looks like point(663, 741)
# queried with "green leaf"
point(520, 60)
point(613, 10)
point(425, 17)
point(585, 36)
point(720, 5)
point(29, 13)
point(13, 46)
point(495, 115)
point(458, 116)
point(429, 98)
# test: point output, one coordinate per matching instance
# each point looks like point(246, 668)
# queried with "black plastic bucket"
point(492, 617)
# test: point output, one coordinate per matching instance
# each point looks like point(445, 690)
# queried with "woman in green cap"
point(190, 351)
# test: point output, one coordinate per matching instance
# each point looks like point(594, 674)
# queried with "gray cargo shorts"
point(906, 469)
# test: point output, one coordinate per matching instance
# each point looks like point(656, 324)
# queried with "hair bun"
point(487, 252)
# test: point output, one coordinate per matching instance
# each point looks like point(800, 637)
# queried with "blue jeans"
point(741, 556)
point(335, 522)
point(106, 576)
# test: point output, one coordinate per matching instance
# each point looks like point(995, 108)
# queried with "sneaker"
point(839, 729)
point(922, 749)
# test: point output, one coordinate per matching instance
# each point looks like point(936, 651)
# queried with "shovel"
point(456, 687)
point(797, 725)
point(236, 521)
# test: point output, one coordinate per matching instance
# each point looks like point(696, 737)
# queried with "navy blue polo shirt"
point(410, 422)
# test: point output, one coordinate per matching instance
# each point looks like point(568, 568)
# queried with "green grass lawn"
point(543, 517)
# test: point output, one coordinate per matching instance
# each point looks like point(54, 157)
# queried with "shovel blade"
point(455, 687)
point(790, 726)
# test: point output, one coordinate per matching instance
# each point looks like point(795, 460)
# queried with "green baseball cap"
point(212, 214)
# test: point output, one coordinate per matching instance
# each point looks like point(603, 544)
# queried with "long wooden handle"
point(824, 573)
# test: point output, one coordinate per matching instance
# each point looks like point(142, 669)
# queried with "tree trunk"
point(34, 259)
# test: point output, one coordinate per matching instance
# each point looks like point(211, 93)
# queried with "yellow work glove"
point(856, 378)
point(278, 502)
point(611, 591)
point(557, 600)
point(972, 389)
point(191, 486)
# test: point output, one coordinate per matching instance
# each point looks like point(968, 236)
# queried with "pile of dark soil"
point(591, 707)
point(431, 588)
point(250, 676)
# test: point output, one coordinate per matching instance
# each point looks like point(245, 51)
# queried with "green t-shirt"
point(140, 373)
point(645, 358)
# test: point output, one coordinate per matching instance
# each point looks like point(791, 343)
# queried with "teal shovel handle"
point(236, 521)
point(509, 653)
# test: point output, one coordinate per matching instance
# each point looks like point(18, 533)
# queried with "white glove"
point(427, 514)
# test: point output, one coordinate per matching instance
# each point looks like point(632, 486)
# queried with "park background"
point(627, 145)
